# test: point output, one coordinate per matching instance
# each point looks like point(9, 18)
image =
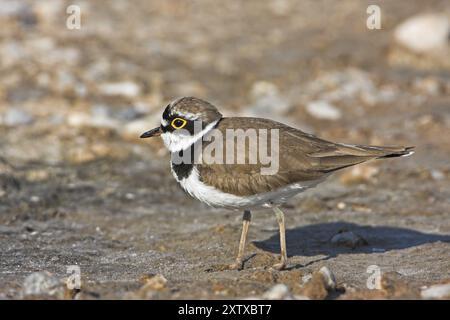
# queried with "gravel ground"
point(77, 186)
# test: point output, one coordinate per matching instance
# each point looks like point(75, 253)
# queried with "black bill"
point(152, 133)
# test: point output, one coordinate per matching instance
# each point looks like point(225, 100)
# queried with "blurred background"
point(77, 186)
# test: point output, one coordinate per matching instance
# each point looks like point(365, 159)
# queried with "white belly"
point(217, 198)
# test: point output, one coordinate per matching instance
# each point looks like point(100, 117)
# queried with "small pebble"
point(437, 175)
point(306, 278)
point(424, 33)
point(323, 110)
point(316, 287)
point(429, 86)
point(125, 88)
point(341, 205)
point(43, 283)
point(154, 282)
point(35, 199)
point(438, 291)
point(267, 100)
point(130, 196)
point(278, 292)
point(330, 280)
point(16, 117)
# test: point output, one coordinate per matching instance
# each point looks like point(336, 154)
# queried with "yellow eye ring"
point(178, 123)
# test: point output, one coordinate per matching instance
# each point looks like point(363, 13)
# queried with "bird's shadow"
point(313, 240)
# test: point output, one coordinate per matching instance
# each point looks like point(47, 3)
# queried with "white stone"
point(263, 88)
point(84, 119)
point(423, 33)
point(130, 196)
point(437, 174)
point(277, 292)
point(15, 117)
point(306, 278)
point(267, 100)
point(125, 88)
point(341, 205)
point(436, 292)
point(330, 280)
point(42, 283)
point(10, 8)
point(323, 110)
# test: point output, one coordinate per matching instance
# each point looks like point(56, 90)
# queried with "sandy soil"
point(77, 186)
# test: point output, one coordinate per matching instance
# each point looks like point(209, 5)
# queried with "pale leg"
point(245, 224)
point(280, 219)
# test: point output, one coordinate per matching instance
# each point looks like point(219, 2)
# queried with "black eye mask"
point(190, 124)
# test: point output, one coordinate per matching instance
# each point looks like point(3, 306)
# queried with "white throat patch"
point(177, 142)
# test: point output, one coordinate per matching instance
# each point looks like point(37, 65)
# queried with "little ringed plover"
point(303, 161)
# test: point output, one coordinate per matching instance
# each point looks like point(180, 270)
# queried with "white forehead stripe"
point(189, 116)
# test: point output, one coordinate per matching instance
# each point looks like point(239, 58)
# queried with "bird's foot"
point(279, 266)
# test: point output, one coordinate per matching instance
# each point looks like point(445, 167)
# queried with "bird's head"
point(184, 121)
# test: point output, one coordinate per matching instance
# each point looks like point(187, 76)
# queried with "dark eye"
point(178, 123)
